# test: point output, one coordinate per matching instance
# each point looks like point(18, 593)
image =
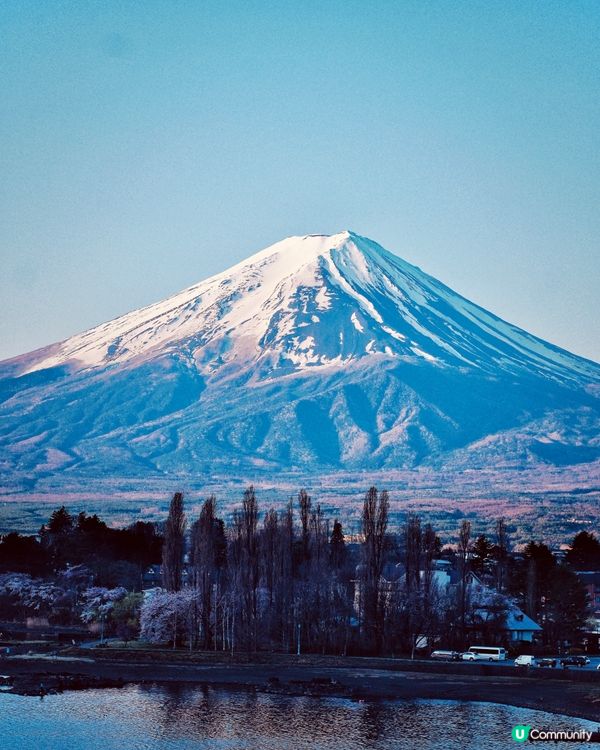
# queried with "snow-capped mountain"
point(319, 352)
point(316, 301)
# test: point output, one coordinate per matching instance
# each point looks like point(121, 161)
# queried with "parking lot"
point(594, 662)
point(593, 665)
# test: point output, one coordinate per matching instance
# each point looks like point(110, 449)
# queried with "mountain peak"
point(300, 248)
point(315, 301)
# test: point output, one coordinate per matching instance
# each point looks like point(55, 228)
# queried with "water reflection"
point(180, 717)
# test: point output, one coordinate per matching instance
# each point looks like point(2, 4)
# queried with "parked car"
point(445, 655)
point(546, 661)
point(574, 661)
point(525, 660)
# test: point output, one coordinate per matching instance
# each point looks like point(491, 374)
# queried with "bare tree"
point(318, 537)
point(429, 589)
point(463, 548)
point(269, 551)
point(374, 527)
point(501, 551)
point(531, 590)
point(304, 504)
point(285, 585)
point(206, 559)
point(246, 570)
point(174, 544)
point(412, 552)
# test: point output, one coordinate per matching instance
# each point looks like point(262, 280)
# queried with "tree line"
point(288, 580)
point(291, 582)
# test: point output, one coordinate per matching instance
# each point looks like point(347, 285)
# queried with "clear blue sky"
point(146, 145)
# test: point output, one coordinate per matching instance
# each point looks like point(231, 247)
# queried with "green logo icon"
point(520, 733)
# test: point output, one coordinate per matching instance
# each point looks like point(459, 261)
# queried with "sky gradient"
point(145, 146)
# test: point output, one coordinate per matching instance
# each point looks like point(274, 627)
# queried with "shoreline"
point(577, 698)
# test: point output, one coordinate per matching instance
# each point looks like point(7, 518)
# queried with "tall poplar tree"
point(174, 545)
point(374, 528)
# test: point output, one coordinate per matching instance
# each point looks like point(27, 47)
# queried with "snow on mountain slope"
point(317, 352)
point(313, 301)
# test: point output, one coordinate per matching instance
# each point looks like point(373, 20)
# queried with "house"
point(509, 623)
point(591, 580)
point(152, 577)
point(492, 617)
point(520, 627)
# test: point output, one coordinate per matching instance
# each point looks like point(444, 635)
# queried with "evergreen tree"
point(56, 537)
point(566, 607)
point(482, 552)
point(337, 546)
point(61, 521)
point(585, 552)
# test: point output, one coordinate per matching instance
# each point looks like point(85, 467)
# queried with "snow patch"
point(356, 323)
point(323, 299)
point(394, 334)
point(424, 355)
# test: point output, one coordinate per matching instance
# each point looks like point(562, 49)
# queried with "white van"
point(485, 653)
point(525, 660)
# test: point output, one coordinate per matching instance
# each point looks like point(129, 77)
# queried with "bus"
point(485, 653)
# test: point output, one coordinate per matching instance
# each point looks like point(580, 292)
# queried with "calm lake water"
point(178, 717)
